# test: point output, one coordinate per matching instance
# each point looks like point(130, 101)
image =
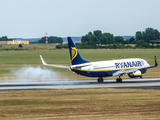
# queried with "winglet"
point(42, 60)
point(156, 64)
point(59, 66)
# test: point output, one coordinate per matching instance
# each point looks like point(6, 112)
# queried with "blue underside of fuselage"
point(95, 73)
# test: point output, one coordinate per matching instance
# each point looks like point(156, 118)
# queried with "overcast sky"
point(33, 18)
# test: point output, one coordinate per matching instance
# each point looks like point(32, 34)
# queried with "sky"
point(63, 18)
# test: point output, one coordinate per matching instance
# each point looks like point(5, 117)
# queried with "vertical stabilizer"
point(74, 54)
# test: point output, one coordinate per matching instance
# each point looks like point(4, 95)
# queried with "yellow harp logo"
point(74, 52)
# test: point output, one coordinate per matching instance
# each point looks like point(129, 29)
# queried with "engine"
point(138, 73)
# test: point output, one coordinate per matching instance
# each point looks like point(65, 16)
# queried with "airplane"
point(133, 67)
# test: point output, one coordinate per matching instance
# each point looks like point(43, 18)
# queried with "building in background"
point(16, 42)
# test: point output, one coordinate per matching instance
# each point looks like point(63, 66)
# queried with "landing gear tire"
point(119, 80)
point(100, 80)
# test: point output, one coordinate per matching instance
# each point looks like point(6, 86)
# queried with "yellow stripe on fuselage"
point(102, 70)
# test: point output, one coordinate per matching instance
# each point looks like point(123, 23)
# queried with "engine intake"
point(138, 73)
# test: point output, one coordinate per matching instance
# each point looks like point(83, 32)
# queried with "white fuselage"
point(107, 68)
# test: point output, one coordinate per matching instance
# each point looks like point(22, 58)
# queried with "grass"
point(31, 46)
point(74, 104)
point(16, 59)
point(94, 104)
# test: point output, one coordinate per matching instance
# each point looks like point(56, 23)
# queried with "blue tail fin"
point(74, 54)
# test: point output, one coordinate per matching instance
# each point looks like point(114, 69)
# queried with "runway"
point(145, 83)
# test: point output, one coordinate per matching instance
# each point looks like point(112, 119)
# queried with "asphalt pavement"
point(145, 83)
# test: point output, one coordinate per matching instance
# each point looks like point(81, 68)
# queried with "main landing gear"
point(100, 80)
point(119, 80)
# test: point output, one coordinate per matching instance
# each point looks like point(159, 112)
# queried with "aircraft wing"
point(59, 66)
point(121, 72)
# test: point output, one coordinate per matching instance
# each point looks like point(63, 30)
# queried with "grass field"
point(74, 104)
point(93, 104)
point(16, 59)
point(31, 46)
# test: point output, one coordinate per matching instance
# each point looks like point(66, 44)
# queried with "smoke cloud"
point(37, 75)
point(30, 73)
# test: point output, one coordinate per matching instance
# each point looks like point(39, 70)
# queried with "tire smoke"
point(29, 73)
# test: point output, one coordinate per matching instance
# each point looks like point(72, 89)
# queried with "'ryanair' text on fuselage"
point(129, 64)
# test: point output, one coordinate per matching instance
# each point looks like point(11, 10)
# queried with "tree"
point(132, 40)
point(98, 34)
point(108, 38)
point(148, 34)
point(4, 38)
point(20, 45)
point(59, 40)
point(126, 41)
point(141, 44)
point(97, 38)
point(42, 40)
point(51, 39)
point(139, 35)
point(85, 39)
point(59, 46)
point(91, 39)
point(89, 33)
point(119, 40)
point(151, 34)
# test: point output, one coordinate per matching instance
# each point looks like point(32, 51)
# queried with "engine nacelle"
point(138, 73)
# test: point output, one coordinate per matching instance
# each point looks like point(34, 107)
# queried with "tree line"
point(5, 38)
point(148, 34)
point(97, 39)
point(51, 39)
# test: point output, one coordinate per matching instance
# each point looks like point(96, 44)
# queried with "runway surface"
point(145, 83)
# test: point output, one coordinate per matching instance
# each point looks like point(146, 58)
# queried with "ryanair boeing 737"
point(133, 67)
